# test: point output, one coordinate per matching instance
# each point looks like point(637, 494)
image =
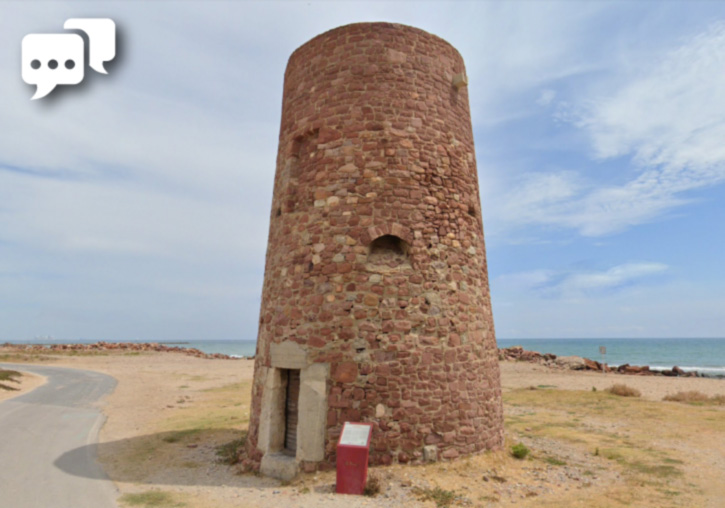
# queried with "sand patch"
point(516, 375)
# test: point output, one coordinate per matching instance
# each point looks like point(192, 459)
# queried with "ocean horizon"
point(705, 355)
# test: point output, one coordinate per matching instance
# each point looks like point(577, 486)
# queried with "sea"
point(706, 356)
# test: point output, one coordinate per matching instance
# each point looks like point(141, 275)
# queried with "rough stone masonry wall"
point(375, 140)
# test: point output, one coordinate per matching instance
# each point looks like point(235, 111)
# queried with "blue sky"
point(136, 205)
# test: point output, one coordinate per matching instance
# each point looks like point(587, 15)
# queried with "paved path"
point(37, 428)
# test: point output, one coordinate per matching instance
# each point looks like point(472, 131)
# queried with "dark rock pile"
point(119, 346)
point(519, 354)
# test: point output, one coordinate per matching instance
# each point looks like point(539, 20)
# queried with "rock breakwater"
point(519, 354)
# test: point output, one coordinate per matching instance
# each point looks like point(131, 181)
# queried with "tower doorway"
point(291, 411)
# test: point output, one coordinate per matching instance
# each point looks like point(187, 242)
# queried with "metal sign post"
point(603, 352)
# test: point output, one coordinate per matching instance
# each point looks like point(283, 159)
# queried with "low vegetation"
point(228, 453)
point(441, 497)
point(520, 451)
point(26, 358)
point(653, 447)
point(554, 461)
point(11, 376)
point(623, 390)
point(695, 397)
point(179, 435)
point(150, 498)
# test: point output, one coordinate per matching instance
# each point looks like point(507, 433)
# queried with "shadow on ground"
point(184, 457)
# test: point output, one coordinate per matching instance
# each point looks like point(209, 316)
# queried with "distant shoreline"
point(137, 347)
point(59, 342)
point(519, 354)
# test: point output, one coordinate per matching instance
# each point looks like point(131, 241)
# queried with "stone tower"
point(376, 304)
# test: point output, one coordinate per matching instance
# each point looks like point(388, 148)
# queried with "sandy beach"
point(170, 415)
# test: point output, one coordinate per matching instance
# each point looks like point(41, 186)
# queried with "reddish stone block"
point(371, 300)
point(450, 453)
point(331, 417)
point(366, 369)
point(338, 402)
point(326, 135)
point(345, 372)
point(432, 439)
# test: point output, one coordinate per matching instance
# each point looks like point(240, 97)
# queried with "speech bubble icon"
point(101, 39)
point(49, 60)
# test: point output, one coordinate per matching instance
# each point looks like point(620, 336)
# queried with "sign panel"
point(602, 350)
point(355, 434)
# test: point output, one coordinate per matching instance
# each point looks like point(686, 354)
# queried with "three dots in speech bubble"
point(42, 54)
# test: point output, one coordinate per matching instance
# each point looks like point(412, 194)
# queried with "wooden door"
point(291, 411)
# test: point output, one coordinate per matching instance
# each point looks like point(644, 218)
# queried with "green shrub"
point(520, 451)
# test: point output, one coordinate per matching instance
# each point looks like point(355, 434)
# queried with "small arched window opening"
point(388, 251)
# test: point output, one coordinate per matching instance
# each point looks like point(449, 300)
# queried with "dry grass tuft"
point(373, 486)
point(624, 391)
point(9, 375)
point(695, 397)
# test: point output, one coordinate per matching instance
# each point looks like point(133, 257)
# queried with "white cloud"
point(616, 277)
point(670, 120)
point(577, 284)
point(671, 113)
point(665, 121)
point(538, 197)
point(546, 97)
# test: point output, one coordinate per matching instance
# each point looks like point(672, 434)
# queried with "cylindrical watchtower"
point(375, 305)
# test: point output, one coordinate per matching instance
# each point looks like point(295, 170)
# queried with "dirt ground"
point(171, 415)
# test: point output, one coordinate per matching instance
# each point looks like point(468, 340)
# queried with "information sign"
point(356, 434)
point(353, 450)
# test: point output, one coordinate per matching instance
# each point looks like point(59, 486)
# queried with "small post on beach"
point(603, 352)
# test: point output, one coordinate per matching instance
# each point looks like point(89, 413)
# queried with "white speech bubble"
point(49, 60)
point(101, 39)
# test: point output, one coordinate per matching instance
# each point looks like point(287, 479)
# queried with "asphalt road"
point(37, 428)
